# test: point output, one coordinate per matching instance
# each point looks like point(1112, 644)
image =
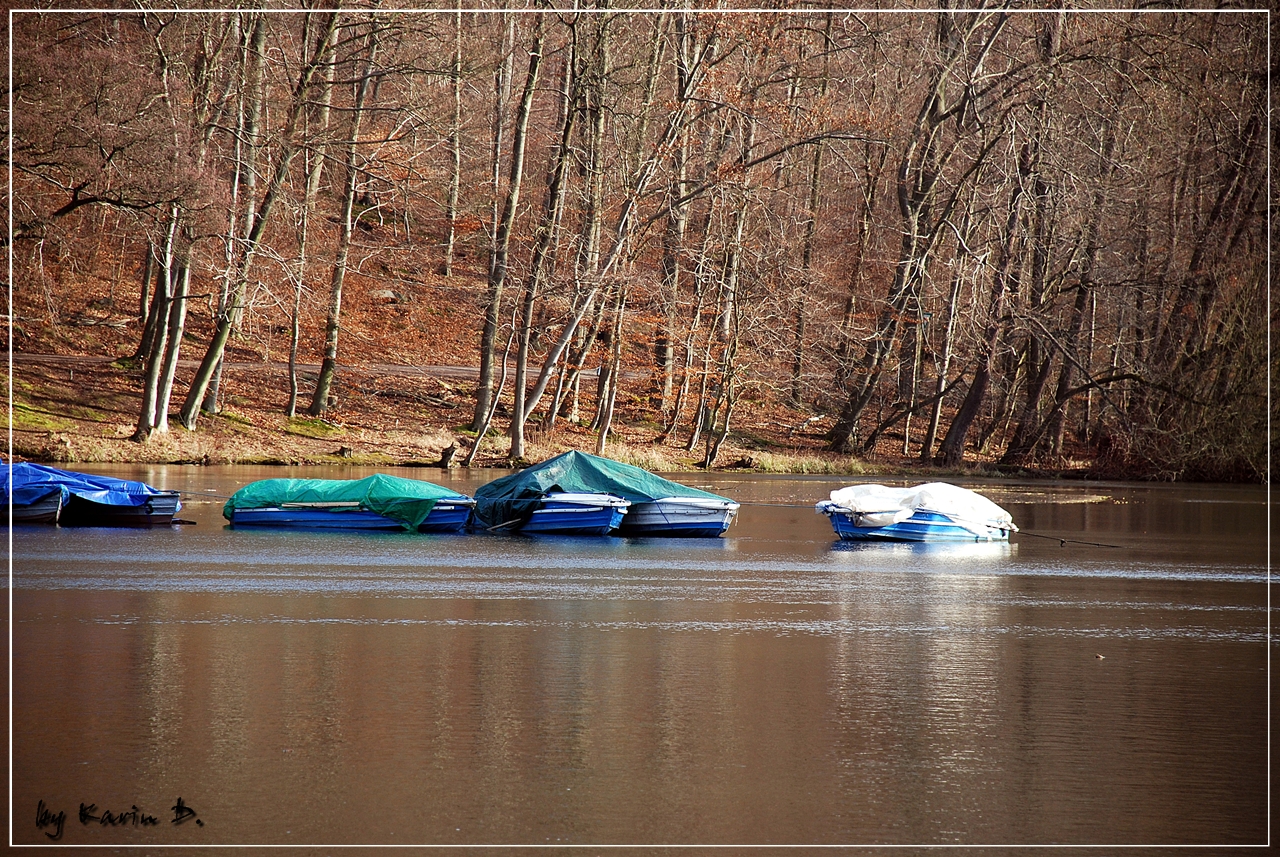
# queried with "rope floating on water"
point(1063, 542)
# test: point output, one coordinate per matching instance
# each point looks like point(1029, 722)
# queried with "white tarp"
point(881, 505)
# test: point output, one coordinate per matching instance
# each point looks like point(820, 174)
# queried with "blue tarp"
point(28, 483)
point(514, 497)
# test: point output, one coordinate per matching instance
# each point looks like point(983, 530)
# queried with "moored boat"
point(39, 494)
point(377, 502)
point(449, 515)
point(154, 510)
point(705, 517)
point(933, 512)
point(41, 510)
point(576, 514)
point(651, 505)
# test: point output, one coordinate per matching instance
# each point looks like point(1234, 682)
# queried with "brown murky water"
point(771, 687)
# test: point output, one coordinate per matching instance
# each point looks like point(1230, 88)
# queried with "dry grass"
point(89, 415)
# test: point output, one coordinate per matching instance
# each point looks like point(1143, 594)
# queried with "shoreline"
point(72, 410)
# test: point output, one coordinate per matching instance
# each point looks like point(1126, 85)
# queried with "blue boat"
point(933, 512)
point(377, 502)
point(38, 494)
point(576, 514)
point(695, 517)
point(542, 499)
point(45, 509)
point(450, 515)
point(444, 517)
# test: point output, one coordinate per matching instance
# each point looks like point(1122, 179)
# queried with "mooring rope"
point(1063, 542)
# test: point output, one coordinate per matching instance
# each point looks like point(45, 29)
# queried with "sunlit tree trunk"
point(455, 150)
point(951, 452)
point(315, 130)
point(800, 339)
point(155, 358)
point(248, 144)
point(262, 214)
point(611, 373)
point(504, 212)
point(346, 223)
point(544, 248)
point(176, 324)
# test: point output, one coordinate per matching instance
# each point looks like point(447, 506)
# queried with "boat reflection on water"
point(935, 556)
point(680, 544)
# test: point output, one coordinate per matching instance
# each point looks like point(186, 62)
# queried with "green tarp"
point(514, 497)
point(406, 500)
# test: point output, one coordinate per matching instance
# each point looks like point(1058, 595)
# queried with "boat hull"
point(155, 511)
point(679, 517)
point(444, 517)
point(562, 516)
point(308, 518)
point(448, 517)
point(922, 526)
point(45, 510)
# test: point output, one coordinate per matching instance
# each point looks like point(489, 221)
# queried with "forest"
point(984, 234)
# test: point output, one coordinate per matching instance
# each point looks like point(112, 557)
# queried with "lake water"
point(771, 687)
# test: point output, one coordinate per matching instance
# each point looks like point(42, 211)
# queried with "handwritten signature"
point(53, 824)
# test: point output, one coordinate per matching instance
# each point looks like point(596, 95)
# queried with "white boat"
point(933, 512)
point(705, 517)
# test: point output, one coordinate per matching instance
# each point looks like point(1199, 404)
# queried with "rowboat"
point(41, 510)
point(576, 513)
point(39, 494)
point(932, 512)
point(377, 502)
point(556, 496)
point(705, 517)
point(445, 517)
point(152, 510)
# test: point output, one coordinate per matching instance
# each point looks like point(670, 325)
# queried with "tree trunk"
point(609, 393)
point(153, 325)
point(810, 234)
point(544, 249)
point(948, 343)
point(493, 405)
point(504, 215)
point(145, 317)
point(455, 150)
point(289, 148)
point(346, 223)
point(1004, 278)
point(1088, 271)
point(155, 359)
point(248, 146)
point(313, 170)
point(177, 321)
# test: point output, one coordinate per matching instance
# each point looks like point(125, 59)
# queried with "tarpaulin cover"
point(31, 482)
point(408, 501)
point(514, 497)
point(882, 505)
